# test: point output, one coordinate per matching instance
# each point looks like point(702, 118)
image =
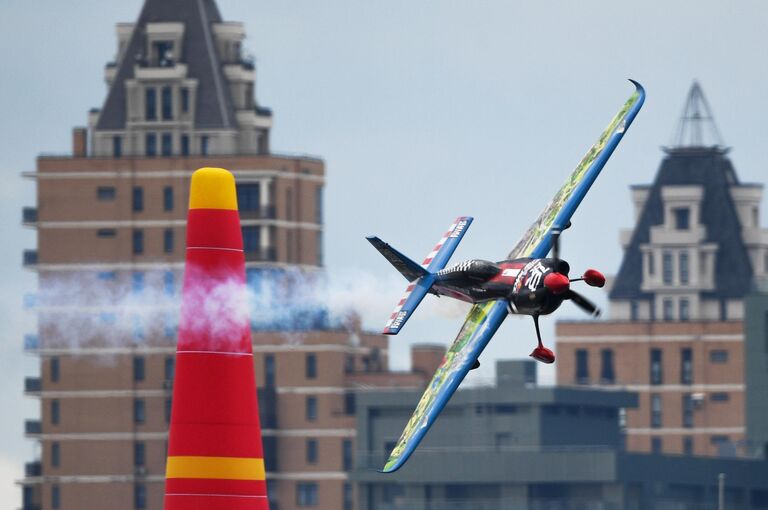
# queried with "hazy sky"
point(423, 111)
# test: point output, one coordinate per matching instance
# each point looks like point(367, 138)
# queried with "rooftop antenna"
point(697, 128)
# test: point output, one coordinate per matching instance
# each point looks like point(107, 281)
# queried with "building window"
point(55, 414)
point(319, 241)
point(718, 356)
point(139, 457)
point(168, 369)
point(150, 144)
point(138, 329)
point(150, 104)
point(310, 368)
point(204, 145)
point(137, 280)
point(168, 409)
point(685, 309)
point(346, 454)
point(651, 265)
point(306, 494)
point(251, 239)
point(656, 445)
point(138, 368)
point(139, 411)
point(348, 500)
point(687, 410)
point(138, 242)
point(682, 261)
point(185, 145)
point(106, 193)
point(634, 311)
point(117, 146)
point(350, 403)
point(169, 328)
point(269, 370)
point(166, 144)
point(168, 240)
point(107, 276)
point(311, 408)
point(139, 496)
point(249, 197)
point(106, 233)
point(137, 199)
point(719, 397)
point(666, 268)
point(168, 284)
point(607, 375)
point(656, 370)
point(55, 454)
point(582, 366)
point(686, 365)
point(167, 103)
point(311, 451)
point(668, 311)
point(168, 198)
point(682, 218)
point(289, 204)
point(688, 445)
point(184, 99)
point(656, 410)
point(319, 205)
point(54, 365)
point(55, 497)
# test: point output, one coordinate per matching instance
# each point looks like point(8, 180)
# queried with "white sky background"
point(423, 111)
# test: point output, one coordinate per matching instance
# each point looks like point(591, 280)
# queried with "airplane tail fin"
point(421, 277)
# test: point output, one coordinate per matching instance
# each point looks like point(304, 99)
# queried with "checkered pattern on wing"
point(440, 243)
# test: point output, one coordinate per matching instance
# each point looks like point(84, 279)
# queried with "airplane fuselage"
point(519, 281)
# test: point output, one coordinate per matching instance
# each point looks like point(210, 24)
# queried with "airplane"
point(526, 282)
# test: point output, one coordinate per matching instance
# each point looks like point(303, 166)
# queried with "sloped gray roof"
point(711, 169)
point(214, 104)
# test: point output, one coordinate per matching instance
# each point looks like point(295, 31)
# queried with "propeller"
point(582, 302)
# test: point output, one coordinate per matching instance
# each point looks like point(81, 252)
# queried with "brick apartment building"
point(675, 332)
point(110, 221)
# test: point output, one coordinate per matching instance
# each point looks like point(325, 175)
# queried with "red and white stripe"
point(399, 306)
point(440, 243)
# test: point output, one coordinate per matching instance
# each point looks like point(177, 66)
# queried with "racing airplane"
point(525, 282)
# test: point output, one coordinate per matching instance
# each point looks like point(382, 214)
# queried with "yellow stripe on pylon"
point(228, 468)
point(212, 188)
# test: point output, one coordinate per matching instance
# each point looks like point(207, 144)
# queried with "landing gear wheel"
point(541, 353)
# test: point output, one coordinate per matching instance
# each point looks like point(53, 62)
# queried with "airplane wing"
point(484, 319)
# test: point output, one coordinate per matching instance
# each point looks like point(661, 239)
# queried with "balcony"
point(33, 469)
point(33, 427)
point(29, 258)
point(267, 212)
point(32, 385)
point(31, 343)
point(261, 255)
point(29, 215)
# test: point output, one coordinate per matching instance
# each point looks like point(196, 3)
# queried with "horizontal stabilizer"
point(407, 267)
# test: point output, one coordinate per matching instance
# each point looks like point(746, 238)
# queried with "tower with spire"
point(675, 329)
point(182, 85)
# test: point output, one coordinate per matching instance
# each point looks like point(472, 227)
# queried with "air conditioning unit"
point(698, 399)
point(140, 471)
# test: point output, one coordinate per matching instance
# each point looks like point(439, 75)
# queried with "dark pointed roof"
point(214, 105)
point(711, 169)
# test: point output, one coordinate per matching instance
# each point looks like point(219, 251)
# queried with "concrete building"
point(756, 369)
point(110, 222)
point(517, 446)
point(675, 332)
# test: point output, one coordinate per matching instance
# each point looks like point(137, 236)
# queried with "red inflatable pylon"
point(215, 457)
